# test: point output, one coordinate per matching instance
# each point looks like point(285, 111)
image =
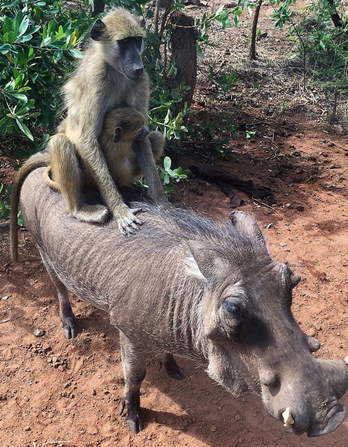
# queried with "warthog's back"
point(141, 277)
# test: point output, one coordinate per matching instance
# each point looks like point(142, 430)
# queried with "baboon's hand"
point(127, 222)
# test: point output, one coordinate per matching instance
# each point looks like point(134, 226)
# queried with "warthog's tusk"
point(287, 418)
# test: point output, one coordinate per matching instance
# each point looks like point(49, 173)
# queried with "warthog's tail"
point(38, 160)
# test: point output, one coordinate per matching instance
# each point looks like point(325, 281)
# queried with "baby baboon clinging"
point(111, 75)
point(121, 127)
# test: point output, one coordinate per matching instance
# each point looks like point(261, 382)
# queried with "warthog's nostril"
point(269, 379)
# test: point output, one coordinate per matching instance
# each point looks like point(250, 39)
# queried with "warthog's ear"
point(203, 263)
point(245, 224)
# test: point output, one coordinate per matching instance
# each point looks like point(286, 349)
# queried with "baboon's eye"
point(132, 40)
point(117, 134)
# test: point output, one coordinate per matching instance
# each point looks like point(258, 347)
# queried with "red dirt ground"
point(53, 390)
point(59, 392)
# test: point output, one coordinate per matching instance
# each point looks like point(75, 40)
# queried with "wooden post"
point(183, 42)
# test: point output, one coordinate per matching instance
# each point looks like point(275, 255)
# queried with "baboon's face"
point(124, 55)
point(129, 131)
point(130, 50)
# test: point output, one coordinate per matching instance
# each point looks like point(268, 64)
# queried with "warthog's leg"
point(173, 369)
point(134, 372)
point(65, 311)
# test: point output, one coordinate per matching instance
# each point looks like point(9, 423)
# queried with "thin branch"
point(252, 53)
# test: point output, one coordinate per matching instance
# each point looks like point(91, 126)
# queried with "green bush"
point(38, 45)
point(39, 42)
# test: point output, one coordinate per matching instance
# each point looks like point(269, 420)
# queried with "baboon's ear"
point(98, 30)
point(141, 21)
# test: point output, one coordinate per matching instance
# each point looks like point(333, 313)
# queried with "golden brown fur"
point(61, 155)
point(100, 84)
point(121, 24)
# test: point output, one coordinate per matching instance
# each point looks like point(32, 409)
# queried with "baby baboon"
point(111, 75)
point(121, 128)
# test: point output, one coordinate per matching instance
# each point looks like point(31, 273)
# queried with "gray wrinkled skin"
point(184, 285)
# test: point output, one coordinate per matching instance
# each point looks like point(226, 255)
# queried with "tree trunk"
point(252, 53)
point(337, 21)
point(98, 7)
point(183, 41)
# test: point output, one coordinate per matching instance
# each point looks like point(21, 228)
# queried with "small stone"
point(6, 297)
point(288, 205)
point(346, 360)
point(311, 332)
point(94, 393)
point(270, 225)
point(39, 332)
point(283, 244)
point(237, 418)
point(213, 428)
point(27, 428)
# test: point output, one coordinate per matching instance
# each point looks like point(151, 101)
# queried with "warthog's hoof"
point(173, 369)
point(132, 417)
point(134, 423)
point(69, 327)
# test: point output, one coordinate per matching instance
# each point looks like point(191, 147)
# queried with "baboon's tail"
point(35, 161)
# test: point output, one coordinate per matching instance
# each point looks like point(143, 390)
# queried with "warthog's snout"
point(319, 415)
point(301, 422)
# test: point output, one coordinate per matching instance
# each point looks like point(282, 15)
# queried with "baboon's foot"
point(173, 369)
point(131, 411)
point(69, 326)
point(127, 222)
point(91, 213)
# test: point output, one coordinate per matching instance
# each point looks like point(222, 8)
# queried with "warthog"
point(184, 285)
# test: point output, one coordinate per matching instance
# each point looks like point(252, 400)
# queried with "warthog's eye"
point(234, 309)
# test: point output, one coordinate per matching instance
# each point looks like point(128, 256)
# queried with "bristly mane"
point(174, 226)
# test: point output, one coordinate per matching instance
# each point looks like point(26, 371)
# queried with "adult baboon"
point(111, 74)
point(121, 127)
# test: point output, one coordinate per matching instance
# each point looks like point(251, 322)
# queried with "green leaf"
point(24, 129)
point(24, 38)
point(5, 48)
point(20, 96)
point(10, 37)
point(23, 26)
point(77, 54)
point(46, 41)
point(167, 162)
